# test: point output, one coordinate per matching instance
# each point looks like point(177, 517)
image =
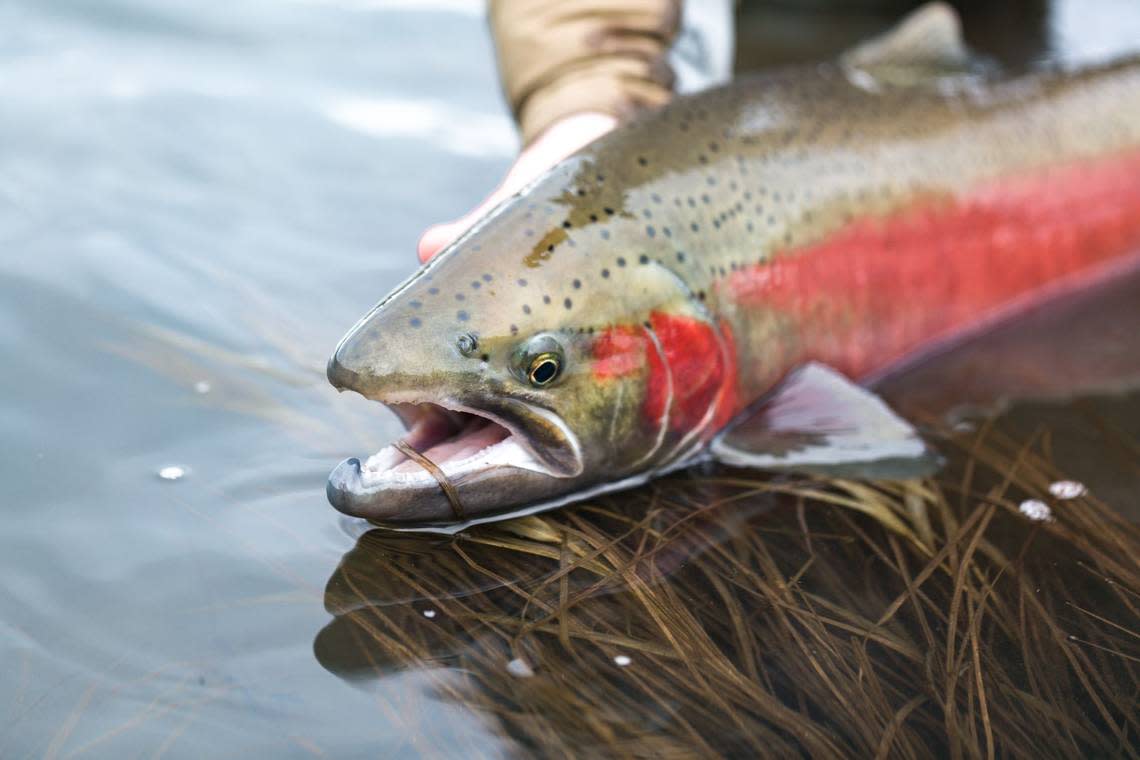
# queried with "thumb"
point(436, 238)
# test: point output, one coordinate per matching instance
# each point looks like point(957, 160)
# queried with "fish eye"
point(540, 360)
point(544, 369)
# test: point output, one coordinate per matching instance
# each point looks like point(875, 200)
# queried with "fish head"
point(519, 362)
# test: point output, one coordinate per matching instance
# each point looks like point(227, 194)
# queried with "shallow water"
point(194, 206)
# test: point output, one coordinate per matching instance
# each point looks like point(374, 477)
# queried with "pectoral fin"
point(819, 421)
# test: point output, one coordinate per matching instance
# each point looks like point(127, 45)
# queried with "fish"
point(725, 279)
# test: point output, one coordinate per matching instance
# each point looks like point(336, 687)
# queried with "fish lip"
point(421, 499)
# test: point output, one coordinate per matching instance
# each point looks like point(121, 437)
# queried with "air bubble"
point(1068, 489)
point(1036, 510)
point(520, 669)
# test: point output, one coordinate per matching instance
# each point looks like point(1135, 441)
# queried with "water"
point(194, 206)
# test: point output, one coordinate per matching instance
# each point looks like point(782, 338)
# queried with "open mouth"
point(457, 442)
point(456, 461)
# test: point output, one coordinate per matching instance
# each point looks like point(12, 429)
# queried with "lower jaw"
point(480, 492)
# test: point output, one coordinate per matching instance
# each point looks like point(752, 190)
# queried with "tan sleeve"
point(558, 57)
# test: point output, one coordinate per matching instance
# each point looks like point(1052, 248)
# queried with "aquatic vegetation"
point(721, 612)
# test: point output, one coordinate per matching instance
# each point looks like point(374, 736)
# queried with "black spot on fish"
point(415, 322)
point(461, 315)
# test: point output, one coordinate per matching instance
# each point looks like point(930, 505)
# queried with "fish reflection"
point(721, 614)
point(408, 600)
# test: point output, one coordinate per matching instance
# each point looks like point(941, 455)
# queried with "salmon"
point(724, 277)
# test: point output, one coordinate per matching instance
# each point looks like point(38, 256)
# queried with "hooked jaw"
point(491, 456)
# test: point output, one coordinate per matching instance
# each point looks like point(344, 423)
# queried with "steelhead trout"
point(715, 279)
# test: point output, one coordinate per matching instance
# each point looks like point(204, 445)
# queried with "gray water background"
point(196, 201)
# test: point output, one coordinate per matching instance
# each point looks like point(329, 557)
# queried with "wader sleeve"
point(559, 57)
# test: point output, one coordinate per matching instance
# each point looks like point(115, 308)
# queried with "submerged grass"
point(726, 613)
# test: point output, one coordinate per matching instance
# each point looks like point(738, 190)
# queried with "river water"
point(195, 203)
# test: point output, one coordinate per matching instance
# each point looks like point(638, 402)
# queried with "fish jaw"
point(488, 462)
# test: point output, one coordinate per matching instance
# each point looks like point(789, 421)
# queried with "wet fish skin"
point(685, 264)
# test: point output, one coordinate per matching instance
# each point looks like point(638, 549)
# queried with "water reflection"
point(721, 613)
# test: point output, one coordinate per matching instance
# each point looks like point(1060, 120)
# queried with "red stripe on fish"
point(881, 287)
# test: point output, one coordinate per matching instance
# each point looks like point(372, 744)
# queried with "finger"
point(436, 238)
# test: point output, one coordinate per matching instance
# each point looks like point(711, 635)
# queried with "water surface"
point(194, 206)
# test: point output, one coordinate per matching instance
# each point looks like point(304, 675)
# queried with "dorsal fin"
point(930, 36)
point(924, 47)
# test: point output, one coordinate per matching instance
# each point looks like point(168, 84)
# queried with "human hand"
point(562, 138)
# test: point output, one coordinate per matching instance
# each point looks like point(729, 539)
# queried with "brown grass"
point(781, 617)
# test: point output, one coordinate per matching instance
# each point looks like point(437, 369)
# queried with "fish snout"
point(363, 360)
point(340, 375)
